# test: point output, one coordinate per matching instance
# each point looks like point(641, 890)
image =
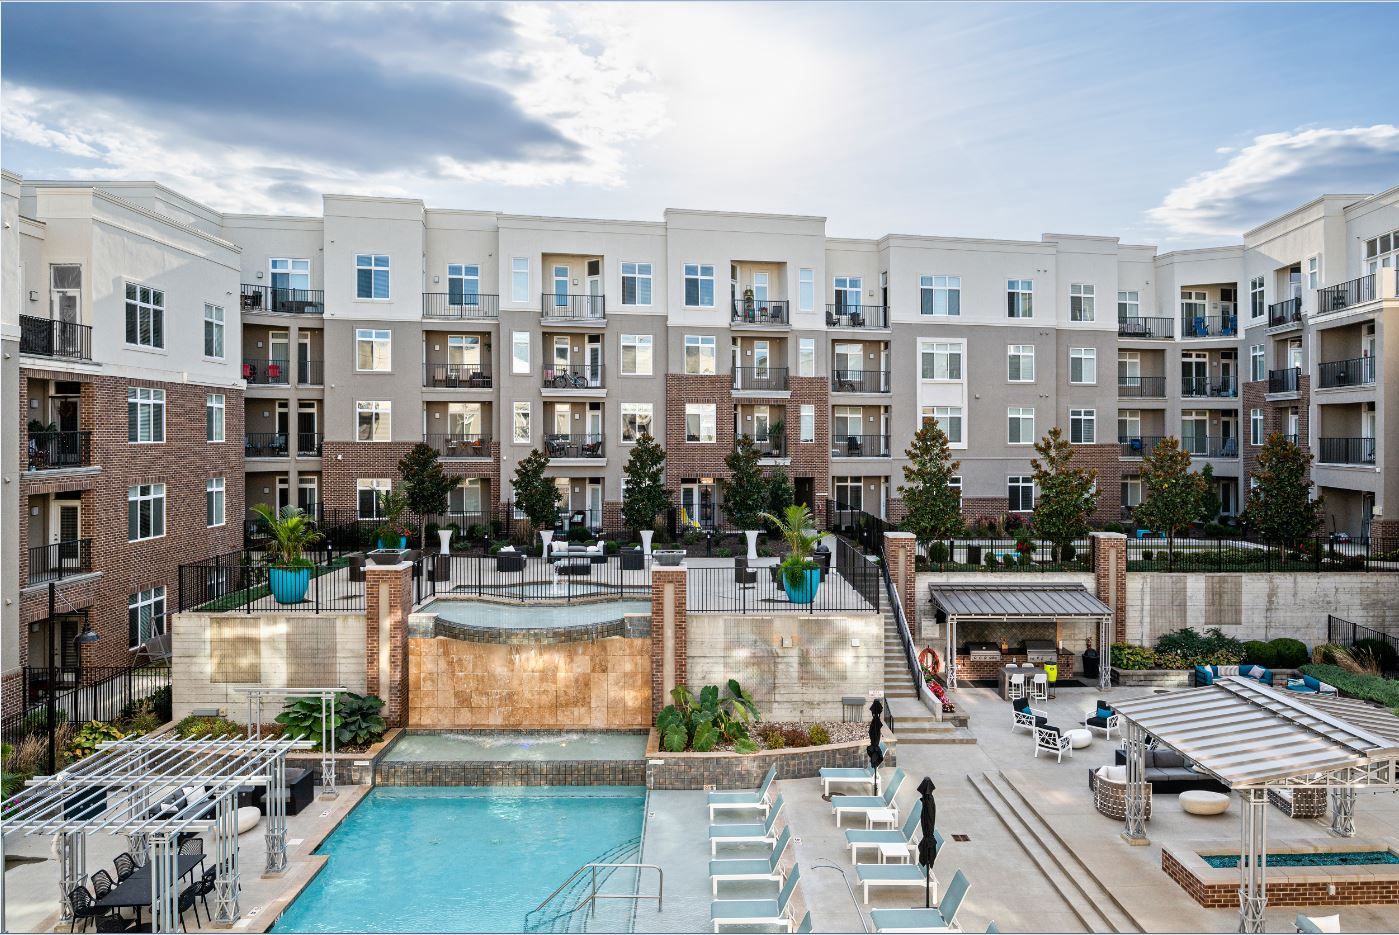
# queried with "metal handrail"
point(915, 671)
point(590, 902)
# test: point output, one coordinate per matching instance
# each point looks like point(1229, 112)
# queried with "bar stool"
point(1039, 687)
point(1015, 687)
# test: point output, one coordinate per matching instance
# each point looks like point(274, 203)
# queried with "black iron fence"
point(561, 307)
point(739, 589)
point(1204, 387)
point(55, 696)
point(1345, 633)
point(1009, 554)
point(281, 445)
point(256, 298)
point(241, 582)
point(574, 446)
point(459, 445)
point(1286, 312)
point(859, 446)
point(860, 381)
point(1209, 326)
point(1357, 371)
point(460, 305)
point(1313, 554)
point(760, 378)
point(309, 373)
point(1141, 387)
point(1284, 381)
point(843, 315)
point(852, 522)
point(453, 376)
point(50, 337)
point(59, 560)
point(1146, 327)
point(1346, 450)
point(570, 574)
point(572, 377)
point(1340, 297)
point(266, 372)
point(55, 451)
point(1197, 446)
point(760, 312)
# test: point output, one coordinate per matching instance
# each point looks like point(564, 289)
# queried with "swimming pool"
point(1318, 859)
point(533, 616)
point(459, 859)
point(430, 746)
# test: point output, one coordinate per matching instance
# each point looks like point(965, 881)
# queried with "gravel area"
point(840, 731)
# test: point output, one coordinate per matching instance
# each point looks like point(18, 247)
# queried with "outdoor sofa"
point(1169, 773)
point(1205, 675)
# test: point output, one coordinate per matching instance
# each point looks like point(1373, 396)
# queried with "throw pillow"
point(1116, 773)
point(1104, 713)
point(1255, 673)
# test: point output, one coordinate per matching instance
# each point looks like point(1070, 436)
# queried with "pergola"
point(119, 789)
point(1022, 602)
point(327, 697)
point(1254, 738)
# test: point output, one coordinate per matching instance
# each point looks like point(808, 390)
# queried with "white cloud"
point(1277, 172)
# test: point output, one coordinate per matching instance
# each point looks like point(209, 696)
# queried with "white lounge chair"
point(756, 911)
point(744, 800)
point(941, 919)
point(860, 775)
point(1027, 717)
point(874, 837)
point(1324, 924)
point(751, 868)
point(863, 804)
point(893, 875)
point(1102, 718)
point(746, 833)
point(1052, 740)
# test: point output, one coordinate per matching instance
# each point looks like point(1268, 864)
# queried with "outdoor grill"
point(1041, 652)
point(984, 652)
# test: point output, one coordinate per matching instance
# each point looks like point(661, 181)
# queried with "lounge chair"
point(941, 919)
point(751, 868)
point(893, 875)
point(1102, 718)
point(874, 837)
point(746, 833)
point(756, 911)
point(753, 801)
point(860, 775)
point(1318, 923)
point(863, 804)
point(1310, 685)
point(1027, 717)
point(804, 926)
point(1052, 740)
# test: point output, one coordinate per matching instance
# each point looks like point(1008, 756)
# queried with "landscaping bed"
point(727, 770)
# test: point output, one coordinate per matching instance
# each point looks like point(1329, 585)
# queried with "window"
point(213, 330)
point(372, 420)
point(1129, 368)
point(519, 352)
point(1020, 363)
point(699, 285)
point(145, 615)
point(1083, 365)
point(145, 316)
point(213, 501)
point(290, 274)
point(367, 493)
point(520, 427)
point(1020, 425)
point(806, 357)
point(1381, 252)
point(940, 295)
point(955, 483)
point(145, 512)
point(213, 417)
point(1255, 297)
point(1314, 272)
point(806, 290)
point(636, 421)
point(371, 276)
point(636, 283)
point(637, 354)
point(519, 279)
point(699, 422)
point(1081, 299)
point(949, 419)
point(561, 277)
point(1258, 368)
point(847, 292)
point(1083, 426)
point(463, 284)
point(373, 350)
point(1131, 492)
point(1020, 294)
point(699, 353)
point(1193, 304)
point(941, 361)
point(1020, 492)
point(849, 492)
point(1129, 424)
point(1255, 426)
point(1129, 305)
point(465, 497)
point(145, 415)
point(806, 417)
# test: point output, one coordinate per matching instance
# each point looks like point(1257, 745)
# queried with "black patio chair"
point(102, 883)
point(125, 865)
point(205, 886)
point(744, 576)
point(188, 895)
point(83, 907)
point(194, 845)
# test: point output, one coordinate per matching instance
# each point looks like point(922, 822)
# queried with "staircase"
point(913, 723)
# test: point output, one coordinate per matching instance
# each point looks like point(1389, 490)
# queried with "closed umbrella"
point(873, 752)
point(927, 844)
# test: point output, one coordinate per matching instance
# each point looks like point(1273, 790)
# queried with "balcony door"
point(303, 359)
point(1194, 373)
point(593, 357)
point(847, 293)
point(762, 358)
point(1228, 434)
point(1195, 431)
point(307, 427)
point(1294, 354)
point(65, 526)
point(561, 354)
point(1228, 370)
point(595, 288)
point(561, 276)
point(594, 504)
point(464, 354)
point(278, 354)
point(762, 423)
point(760, 288)
point(595, 420)
point(850, 362)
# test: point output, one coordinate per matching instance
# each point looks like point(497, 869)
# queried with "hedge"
point(1366, 687)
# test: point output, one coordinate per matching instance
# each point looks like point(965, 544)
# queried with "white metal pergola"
point(327, 698)
point(118, 790)
point(1253, 738)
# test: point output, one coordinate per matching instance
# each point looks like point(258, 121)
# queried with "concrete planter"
point(745, 770)
point(1153, 678)
point(668, 557)
point(351, 769)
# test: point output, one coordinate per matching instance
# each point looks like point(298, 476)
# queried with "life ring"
point(929, 660)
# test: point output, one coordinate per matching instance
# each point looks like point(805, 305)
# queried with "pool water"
point(424, 746)
point(530, 616)
point(462, 859)
point(1333, 859)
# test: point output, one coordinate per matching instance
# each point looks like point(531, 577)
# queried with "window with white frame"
point(806, 290)
point(636, 283)
point(463, 284)
point(700, 423)
point(373, 420)
point(145, 512)
point(1258, 367)
point(1082, 297)
point(1020, 425)
point(368, 491)
point(699, 285)
point(213, 417)
point(213, 330)
point(373, 350)
point(806, 357)
point(941, 361)
point(636, 421)
point(955, 483)
point(145, 316)
point(371, 276)
point(949, 419)
point(1256, 306)
point(637, 354)
point(1129, 305)
point(699, 353)
point(940, 295)
point(1083, 365)
point(1193, 304)
point(847, 292)
point(1083, 426)
point(806, 422)
point(145, 616)
point(213, 501)
point(520, 423)
point(519, 352)
point(1020, 493)
point(1129, 424)
point(519, 279)
point(849, 492)
point(1313, 272)
point(288, 273)
point(1255, 426)
point(1131, 492)
point(1382, 252)
point(145, 415)
point(465, 498)
point(1020, 298)
point(1020, 363)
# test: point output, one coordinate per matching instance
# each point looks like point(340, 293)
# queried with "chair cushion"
point(1164, 759)
point(1113, 773)
point(1203, 676)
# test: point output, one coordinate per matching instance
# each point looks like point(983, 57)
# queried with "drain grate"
point(961, 837)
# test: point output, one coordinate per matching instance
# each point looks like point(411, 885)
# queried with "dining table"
point(1004, 673)
point(135, 891)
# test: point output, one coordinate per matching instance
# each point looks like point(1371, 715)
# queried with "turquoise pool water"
point(1334, 859)
point(462, 859)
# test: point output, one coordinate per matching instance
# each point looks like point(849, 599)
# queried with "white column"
point(1253, 867)
point(1134, 742)
point(1343, 811)
point(276, 799)
point(226, 857)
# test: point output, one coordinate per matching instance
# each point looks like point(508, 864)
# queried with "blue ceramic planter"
point(402, 543)
point(805, 592)
point(289, 585)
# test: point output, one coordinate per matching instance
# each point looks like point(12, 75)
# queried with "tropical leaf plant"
point(291, 534)
point(701, 723)
point(355, 719)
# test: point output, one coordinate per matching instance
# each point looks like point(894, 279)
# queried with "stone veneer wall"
point(1288, 886)
point(539, 773)
point(746, 771)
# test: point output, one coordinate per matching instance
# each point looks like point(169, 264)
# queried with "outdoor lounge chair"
point(1310, 685)
point(756, 911)
point(894, 875)
point(746, 833)
point(860, 775)
point(1027, 717)
point(1052, 740)
point(1318, 923)
point(941, 919)
point(863, 804)
point(859, 838)
point(756, 801)
point(1109, 786)
point(751, 868)
point(804, 926)
point(1102, 718)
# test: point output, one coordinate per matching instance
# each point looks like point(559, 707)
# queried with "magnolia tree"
point(535, 495)
point(426, 487)
point(746, 491)
point(1066, 495)
point(644, 494)
point(1171, 492)
point(1280, 505)
point(932, 505)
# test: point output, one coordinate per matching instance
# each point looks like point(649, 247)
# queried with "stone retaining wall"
point(1287, 886)
point(497, 773)
point(746, 770)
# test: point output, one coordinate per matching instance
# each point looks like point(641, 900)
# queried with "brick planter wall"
point(746, 771)
point(1288, 886)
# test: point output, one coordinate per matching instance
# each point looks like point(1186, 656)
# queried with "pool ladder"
point(607, 864)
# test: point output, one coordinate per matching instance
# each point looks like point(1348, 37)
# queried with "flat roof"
point(1017, 600)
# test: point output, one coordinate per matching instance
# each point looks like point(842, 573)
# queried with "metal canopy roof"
point(1017, 600)
point(1248, 734)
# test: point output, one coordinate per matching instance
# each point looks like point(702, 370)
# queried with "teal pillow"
point(1103, 713)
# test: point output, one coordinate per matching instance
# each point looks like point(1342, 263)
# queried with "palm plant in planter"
point(290, 534)
point(392, 532)
point(801, 575)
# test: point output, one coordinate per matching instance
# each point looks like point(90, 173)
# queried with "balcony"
point(557, 306)
point(1286, 312)
point(771, 447)
point(1141, 387)
point(1145, 328)
point(266, 372)
point(1197, 446)
point(1210, 326)
point(760, 379)
point(57, 451)
point(1205, 388)
point(460, 446)
point(574, 446)
point(467, 306)
point(1358, 371)
point(49, 337)
point(857, 316)
point(1346, 295)
point(860, 381)
point(255, 298)
point(309, 373)
point(1347, 451)
point(274, 444)
point(578, 377)
point(59, 560)
point(453, 376)
point(760, 312)
point(1284, 381)
point(859, 446)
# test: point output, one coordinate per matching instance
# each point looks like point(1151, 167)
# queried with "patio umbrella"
point(927, 844)
point(873, 752)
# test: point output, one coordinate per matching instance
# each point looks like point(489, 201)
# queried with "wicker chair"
point(1110, 795)
point(1299, 803)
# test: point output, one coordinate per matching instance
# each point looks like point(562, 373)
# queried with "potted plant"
point(392, 533)
point(801, 576)
point(289, 535)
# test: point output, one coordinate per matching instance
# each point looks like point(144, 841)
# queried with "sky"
point(1181, 125)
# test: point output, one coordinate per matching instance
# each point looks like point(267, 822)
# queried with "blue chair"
point(941, 919)
point(749, 912)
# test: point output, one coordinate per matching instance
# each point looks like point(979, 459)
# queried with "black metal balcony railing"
point(560, 307)
point(1286, 312)
point(460, 445)
point(760, 312)
point(574, 446)
point(839, 315)
point(860, 381)
point(1347, 451)
point(256, 298)
point(309, 373)
point(1206, 388)
point(575, 377)
point(1142, 387)
point(859, 446)
point(59, 560)
point(760, 378)
point(1343, 296)
point(771, 446)
point(49, 337)
point(1209, 326)
point(1293, 439)
point(55, 451)
point(1145, 328)
point(463, 306)
point(266, 372)
point(1197, 446)
point(275, 444)
point(1358, 371)
point(456, 375)
point(1284, 381)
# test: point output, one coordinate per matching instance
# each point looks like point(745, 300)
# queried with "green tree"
point(1209, 500)
point(644, 494)
point(932, 506)
point(425, 485)
point(745, 490)
point(1280, 506)
point(1171, 492)
point(780, 492)
point(535, 495)
point(1067, 494)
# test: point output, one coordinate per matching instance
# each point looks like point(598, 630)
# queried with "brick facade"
point(1312, 887)
point(688, 459)
point(661, 577)
point(386, 637)
point(343, 463)
point(1110, 578)
point(812, 459)
point(1274, 420)
point(1106, 459)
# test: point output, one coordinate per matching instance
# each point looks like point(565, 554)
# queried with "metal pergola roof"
point(1017, 600)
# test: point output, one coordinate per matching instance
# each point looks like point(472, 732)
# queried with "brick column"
point(388, 599)
point(668, 641)
point(901, 552)
point(1110, 578)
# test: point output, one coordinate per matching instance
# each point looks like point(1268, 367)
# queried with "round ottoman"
point(248, 817)
point(1200, 802)
point(1080, 738)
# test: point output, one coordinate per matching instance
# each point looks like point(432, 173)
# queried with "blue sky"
point(1177, 124)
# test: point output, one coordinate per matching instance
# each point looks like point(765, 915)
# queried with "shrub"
point(199, 726)
point(356, 719)
point(1202, 647)
point(937, 553)
point(38, 720)
point(1130, 656)
point(1325, 653)
point(1114, 527)
point(89, 736)
point(1367, 687)
point(796, 737)
point(579, 534)
point(1382, 652)
point(612, 547)
point(724, 552)
point(1067, 553)
point(702, 723)
point(773, 740)
point(819, 735)
point(1146, 555)
point(991, 560)
point(1288, 653)
point(1259, 653)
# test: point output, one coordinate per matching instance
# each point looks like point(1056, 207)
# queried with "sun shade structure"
point(327, 697)
point(1021, 602)
point(1254, 738)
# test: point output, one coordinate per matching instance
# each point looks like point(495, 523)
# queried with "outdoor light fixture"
point(89, 635)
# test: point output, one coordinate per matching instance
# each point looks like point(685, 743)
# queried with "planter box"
point(723, 770)
point(1153, 678)
point(386, 556)
point(668, 557)
point(348, 768)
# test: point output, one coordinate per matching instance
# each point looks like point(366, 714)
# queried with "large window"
point(806, 290)
point(145, 616)
point(1020, 363)
point(699, 285)
point(145, 316)
point(1131, 492)
point(213, 330)
point(699, 353)
point(949, 419)
point(1083, 365)
point(941, 361)
point(463, 284)
point(519, 352)
point(1020, 298)
point(1193, 304)
point(1314, 272)
point(636, 421)
point(1081, 299)
point(806, 424)
point(849, 492)
point(1258, 366)
point(700, 422)
point(213, 417)
point(373, 420)
point(1255, 426)
point(145, 415)
point(1083, 426)
point(806, 357)
point(1020, 493)
point(371, 276)
point(213, 501)
point(1020, 425)
point(1382, 252)
point(637, 354)
point(373, 350)
point(1129, 305)
point(289, 273)
point(940, 295)
point(1129, 424)
point(847, 291)
point(636, 283)
point(519, 279)
point(1256, 306)
point(367, 493)
point(145, 512)
point(519, 423)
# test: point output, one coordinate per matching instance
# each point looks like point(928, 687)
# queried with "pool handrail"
point(593, 895)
